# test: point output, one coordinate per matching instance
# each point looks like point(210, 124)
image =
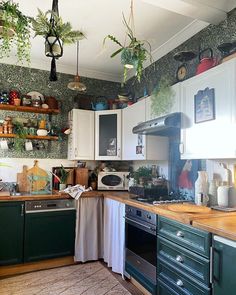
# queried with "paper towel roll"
point(223, 195)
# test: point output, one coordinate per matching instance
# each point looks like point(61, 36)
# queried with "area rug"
point(87, 279)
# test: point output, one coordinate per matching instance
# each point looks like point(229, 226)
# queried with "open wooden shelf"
point(30, 137)
point(9, 107)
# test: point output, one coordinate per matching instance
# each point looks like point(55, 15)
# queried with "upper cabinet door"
point(81, 138)
point(208, 109)
point(133, 145)
point(174, 108)
point(108, 135)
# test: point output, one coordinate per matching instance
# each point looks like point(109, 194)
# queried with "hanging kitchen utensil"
point(205, 63)
point(183, 57)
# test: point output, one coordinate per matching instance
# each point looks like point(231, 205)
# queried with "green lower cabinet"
point(224, 266)
point(11, 232)
point(164, 289)
point(184, 260)
point(179, 282)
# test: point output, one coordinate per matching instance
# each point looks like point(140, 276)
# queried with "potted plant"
point(62, 178)
point(55, 32)
point(162, 98)
point(142, 175)
point(134, 54)
point(14, 30)
point(21, 133)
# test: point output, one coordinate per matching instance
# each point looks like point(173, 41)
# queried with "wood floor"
point(92, 278)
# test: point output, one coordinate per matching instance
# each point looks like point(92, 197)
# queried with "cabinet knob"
point(180, 234)
point(179, 258)
point(179, 283)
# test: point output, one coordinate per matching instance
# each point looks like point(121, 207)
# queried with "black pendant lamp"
point(53, 44)
point(76, 84)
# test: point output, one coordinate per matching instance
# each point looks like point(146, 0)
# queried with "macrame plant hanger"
point(52, 41)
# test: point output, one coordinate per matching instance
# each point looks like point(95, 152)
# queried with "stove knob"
point(149, 216)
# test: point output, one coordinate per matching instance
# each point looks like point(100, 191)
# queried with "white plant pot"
point(62, 186)
point(56, 49)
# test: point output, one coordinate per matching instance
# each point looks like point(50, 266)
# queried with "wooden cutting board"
point(39, 175)
point(188, 208)
point(22, 180)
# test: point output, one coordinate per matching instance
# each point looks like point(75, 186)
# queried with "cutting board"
point(188, 208)
point(81, 176)
point(22, 180)
point(39, 176)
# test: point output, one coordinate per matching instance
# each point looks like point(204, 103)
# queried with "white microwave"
point(113, 180)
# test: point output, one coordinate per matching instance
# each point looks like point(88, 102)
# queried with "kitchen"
point(55, 152)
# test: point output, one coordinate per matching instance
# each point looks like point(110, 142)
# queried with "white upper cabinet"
point(81, 138)
point(136, 146)
point(209, 112)
point(174, 108)
point(108, 135)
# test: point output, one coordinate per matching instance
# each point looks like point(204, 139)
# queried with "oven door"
point(140, 257)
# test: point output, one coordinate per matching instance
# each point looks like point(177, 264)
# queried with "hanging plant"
point(56, 33)
point(134, 54)
point(162, 98)
point(14, 30)
point(42, 26)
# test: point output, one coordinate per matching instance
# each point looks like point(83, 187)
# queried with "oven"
point(141, 246)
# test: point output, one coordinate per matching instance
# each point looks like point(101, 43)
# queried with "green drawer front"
point(179, 283)
point(194, 239)
point(184, 260)
point(164, 289)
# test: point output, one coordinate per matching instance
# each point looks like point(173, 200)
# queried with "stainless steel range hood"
point(164, 126)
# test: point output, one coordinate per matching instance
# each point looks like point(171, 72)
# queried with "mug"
point(28, 145)
point(4, 144)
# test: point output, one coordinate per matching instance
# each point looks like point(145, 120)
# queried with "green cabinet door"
point(11, 232)
point(224, 266)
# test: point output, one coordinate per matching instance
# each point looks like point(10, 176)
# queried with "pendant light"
point(76, 84)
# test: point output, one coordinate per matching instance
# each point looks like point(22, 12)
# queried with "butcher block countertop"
point(217, 222)
point(222, 226)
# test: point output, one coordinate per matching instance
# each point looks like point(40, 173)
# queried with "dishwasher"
point(49, 229)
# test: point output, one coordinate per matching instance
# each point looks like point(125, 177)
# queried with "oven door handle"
point(139, 223)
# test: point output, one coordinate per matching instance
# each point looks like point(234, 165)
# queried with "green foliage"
point(134, 54)
point(142, 171)
point(162, 98)
point(19, 140)
point(13, 19)
point(43, 27)
point(63, 174)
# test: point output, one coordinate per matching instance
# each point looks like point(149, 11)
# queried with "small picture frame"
point(204, 105)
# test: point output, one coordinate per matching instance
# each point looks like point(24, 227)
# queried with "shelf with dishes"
point(37, 137)
point(29, 109)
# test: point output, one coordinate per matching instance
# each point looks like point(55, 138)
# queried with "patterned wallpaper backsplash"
point(26, 79)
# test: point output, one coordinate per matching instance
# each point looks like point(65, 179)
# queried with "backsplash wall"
point(25, 80)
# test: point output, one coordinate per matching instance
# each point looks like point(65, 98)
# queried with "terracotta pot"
point(17, 101)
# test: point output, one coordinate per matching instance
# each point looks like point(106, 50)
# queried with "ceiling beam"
point(192, 9)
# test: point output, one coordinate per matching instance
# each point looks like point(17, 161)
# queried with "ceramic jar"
point(201, 188)
point(223, 195)
point(212, 193)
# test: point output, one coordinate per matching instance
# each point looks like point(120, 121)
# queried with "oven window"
point(111, 180)
point(141, 243)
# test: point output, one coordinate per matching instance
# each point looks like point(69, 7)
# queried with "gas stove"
point(160, 200)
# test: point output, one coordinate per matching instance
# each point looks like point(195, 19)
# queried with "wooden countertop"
point(217, 222)
point(222, 226)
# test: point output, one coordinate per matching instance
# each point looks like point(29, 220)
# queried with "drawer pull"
point(180, 234)
point(179, 258)
point(179, 283)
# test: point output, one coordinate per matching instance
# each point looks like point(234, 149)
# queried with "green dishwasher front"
point(49, 234)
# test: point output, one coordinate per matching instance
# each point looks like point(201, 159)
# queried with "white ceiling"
point(164, 23)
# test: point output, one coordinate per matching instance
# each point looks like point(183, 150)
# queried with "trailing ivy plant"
point(19, 140)
point(134, 54)
point(15, 31)
point(162, 98)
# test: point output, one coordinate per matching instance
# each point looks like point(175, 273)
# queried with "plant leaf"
point(116, 52)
